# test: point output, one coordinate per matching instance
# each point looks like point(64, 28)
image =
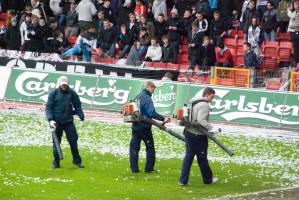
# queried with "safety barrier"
point(231, 77)
point(294, 82)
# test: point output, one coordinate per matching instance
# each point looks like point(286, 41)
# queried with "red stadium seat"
point(173, 66)
point(149, 65)
point(269, 63)
point(285, 51)
point(283, 37)
point(270, 49)
point(230, 43)
point(159, 65)
point(3, 16)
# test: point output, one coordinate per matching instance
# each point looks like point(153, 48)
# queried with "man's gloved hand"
point(52, 124)
point(82, 119)
point(166, 120)
point(215, 130)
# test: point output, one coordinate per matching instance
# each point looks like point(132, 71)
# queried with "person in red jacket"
point(224, 57)
point(140, 9)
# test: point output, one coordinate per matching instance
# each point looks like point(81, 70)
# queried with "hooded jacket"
point(200, 114)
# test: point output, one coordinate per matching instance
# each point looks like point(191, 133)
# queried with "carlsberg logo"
point(164, 96)
point(232, 109)
point(32, 84)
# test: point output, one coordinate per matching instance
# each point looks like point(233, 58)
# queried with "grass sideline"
point(25, 170)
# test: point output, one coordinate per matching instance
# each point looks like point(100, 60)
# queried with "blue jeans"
point(72, 138)
point(270, 36)
point(147, 137)
point(196, 145)
point(76, 49)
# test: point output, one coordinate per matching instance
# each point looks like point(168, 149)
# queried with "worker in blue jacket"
point(143, 131)
point(62, 104)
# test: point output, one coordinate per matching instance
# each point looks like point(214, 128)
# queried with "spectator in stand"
point(261, 6)
point(195, 41)
point(183, 5)
point(255, 36)
point(249, 13)
point(244, 8)
point(38, 9)
point(250, 58)
point(50, 33)
point(174, 29)
point(85, 43)
point(23, 30)
point(187, 20)
point(124, 41)
point(133, 57)
point(148, 25)
point(72, 28)
point(226, 8)
point(144, 39)
point(149, 14)
point(217, 29)
point(100, 22)
point(293, 13)
point(207, 53)
point(160, 26)
point(224, 57)
point(86, 10)
point(140, 9)
point(271, 20)
point(154, 51)
point(213, 4)
point(159, 7)
point(13, 36)
point(107, 10)
point(283, 12)
point(44, 28)
point(59, 44)
point(107, 39)
point(168, 52)
point(57, 10)
point(203, 7)
point(202, 25)
point(35, 44)
point(133, 27)
point(124, 10)
point(11, 14)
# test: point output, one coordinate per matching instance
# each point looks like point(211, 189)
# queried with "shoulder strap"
point(198, 101)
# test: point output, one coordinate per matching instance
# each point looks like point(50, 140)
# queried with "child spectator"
point(224, 57)
point(124, 41)
point(250, 58)
point(207, 53)
point(154, 51)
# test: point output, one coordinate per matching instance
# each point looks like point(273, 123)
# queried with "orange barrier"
point(294, 82)
point(231, 77)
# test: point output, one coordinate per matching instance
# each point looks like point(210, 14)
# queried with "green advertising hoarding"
point(266, 108)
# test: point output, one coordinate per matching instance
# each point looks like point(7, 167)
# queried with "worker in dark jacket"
point(142, 131)
point(62, 103)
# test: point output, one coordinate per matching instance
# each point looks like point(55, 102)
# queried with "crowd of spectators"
point(148, 30)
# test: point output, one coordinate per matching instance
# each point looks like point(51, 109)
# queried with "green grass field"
point(26, 156)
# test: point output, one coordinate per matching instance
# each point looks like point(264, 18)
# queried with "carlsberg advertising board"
point(266, 108)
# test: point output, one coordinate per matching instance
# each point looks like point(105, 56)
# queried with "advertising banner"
point(4, 78)
point(245, 106)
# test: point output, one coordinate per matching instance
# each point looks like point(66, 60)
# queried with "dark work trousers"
point(147, 137)
point(295, 39)
point(196, 145)
point(72, 138)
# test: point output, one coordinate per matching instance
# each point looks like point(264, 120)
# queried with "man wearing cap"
point(62, 104)
point(174, 28)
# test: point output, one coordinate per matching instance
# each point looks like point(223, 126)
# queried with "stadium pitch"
point(265, 159)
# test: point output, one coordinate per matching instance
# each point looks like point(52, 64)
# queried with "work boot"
point(79, 165)
point(55, 164)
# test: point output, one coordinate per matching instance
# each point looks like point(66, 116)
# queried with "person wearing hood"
point(59, 111)
point(174, 28)
point(13, 36)
point(107, 39)
point(224, 57)
point(85, 43)
point(133, 58)
point(196, 141)
point(159, 7)
point(154, 51)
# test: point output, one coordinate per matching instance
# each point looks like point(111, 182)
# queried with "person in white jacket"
point(23, 30)
point(86, 10)
point(154, 52)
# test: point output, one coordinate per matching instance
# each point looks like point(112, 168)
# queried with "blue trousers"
point(270, 36)
point(147, 137)
point(196, 145)
point(76, 49)
point(72, 138)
